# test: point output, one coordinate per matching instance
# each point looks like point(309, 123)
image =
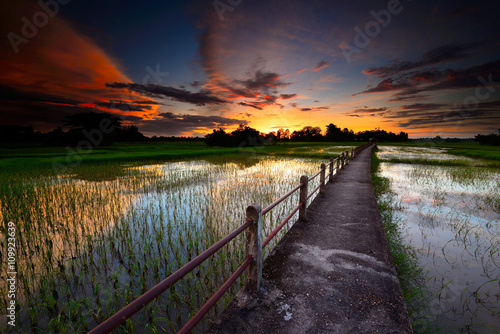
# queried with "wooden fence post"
point(322, 178)
point(330, 175)
point(342, 163)
point(254, 247)
point(352, 153)
point(338, 163)
point(303, 197)
point(347, 156)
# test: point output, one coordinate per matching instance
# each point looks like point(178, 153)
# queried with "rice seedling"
point(92, 241)
point(451, 217)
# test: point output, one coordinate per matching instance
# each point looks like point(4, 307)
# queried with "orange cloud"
point(61, 62)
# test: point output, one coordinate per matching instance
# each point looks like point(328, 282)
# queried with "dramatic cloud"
point(288, 96)
point(179, 124)
point(361, 112)
point(409, 98)
point(264, 82)
point(55, 74)
point(13, 94)
point(417, 82)
point(200, 99)
point(41, 115)
point(123, 106)
point(424, 115)
point(438, 55)
point(200, 120)
point(369, 110)
point(250, 105)
point(424, 106)
point(472, 77)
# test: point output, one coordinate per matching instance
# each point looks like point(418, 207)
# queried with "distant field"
point(42, 157)
point(108, 162)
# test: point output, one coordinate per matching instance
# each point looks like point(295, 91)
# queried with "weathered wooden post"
point(322, 178)
point(303, 197)
point(330, 174)
point(338, 163)
point(347, 157)
point(342, 163)
point(254, 247)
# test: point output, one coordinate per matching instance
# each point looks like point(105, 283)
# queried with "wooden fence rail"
point(254, 245)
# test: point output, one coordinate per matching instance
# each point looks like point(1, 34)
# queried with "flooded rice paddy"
point(451, 216)
point(88, 248)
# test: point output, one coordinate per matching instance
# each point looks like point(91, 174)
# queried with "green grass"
point(404, 256)
point(44, 157)
point(88, 248)
point(106, 163)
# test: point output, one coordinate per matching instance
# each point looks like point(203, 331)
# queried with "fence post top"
point(304, 178)
point(253, 208)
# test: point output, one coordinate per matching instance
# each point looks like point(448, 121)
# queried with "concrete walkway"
point(330, 274)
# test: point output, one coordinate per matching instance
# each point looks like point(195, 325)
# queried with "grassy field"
point(70, 215)
point(95, 235)
point(22, 158)
point(106, 161)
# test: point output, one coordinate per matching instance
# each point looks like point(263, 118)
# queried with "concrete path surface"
point(330, 274)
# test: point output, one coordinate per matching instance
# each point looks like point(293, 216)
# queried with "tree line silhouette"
point(103, 128)
point(83, 126)
point(490, 139)
point(247, 136)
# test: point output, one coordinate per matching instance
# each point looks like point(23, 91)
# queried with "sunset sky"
point(185, 67)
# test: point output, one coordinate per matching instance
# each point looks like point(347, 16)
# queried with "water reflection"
point(416, 153)
point(89, 248)
point(452, 217)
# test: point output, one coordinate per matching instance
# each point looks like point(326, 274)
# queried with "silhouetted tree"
point(91, 120)
point(242, 136)
point(283, 134)
point(10, 133)
point(308, 133)
point(491, 139)
point(218, 137)
point(103, 127)
point(130, 134)
point(333, 133)
point(246, 136)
